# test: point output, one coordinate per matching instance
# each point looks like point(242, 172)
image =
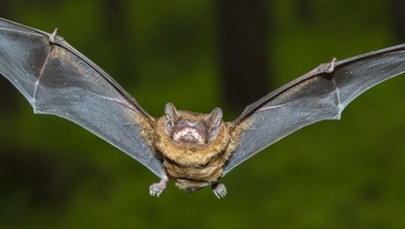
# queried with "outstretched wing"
point(56, 79)
point(321, 94)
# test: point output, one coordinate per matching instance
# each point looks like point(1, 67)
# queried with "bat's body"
point(196, 162)
point(193, 149)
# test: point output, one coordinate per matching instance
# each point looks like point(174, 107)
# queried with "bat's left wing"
point(321, 94)
point(56, 79)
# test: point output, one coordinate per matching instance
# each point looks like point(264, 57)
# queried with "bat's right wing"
point(56, 79)
point(319, 95)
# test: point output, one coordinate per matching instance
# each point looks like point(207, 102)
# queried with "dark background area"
point(199, 55)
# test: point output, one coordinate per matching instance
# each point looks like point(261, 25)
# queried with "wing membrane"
point(56, 79)
point(313, 97)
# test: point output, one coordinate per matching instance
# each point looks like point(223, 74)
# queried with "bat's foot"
point(219, 190)
point(157, 188)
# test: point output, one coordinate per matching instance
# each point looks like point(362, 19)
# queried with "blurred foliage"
point(346, 174)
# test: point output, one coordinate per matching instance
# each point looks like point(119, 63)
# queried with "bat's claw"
point(157, 188)
point(327, 67)
point(219, 190)
point(331, 65)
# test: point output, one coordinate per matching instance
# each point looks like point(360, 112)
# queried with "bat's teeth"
point(188, 134)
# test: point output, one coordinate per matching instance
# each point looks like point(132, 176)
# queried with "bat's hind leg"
point(157, 188)
point(219, 190)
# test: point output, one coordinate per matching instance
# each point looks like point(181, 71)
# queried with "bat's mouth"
point(189, 135)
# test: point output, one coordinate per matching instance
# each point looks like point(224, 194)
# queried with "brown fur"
point(235, 134)
point(192, 165)
point(190, 154)
point(147, 130)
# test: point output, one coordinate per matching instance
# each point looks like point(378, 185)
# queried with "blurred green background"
point(336, 174)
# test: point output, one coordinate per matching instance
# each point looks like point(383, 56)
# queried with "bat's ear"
point(171, 116)
point(214, 122)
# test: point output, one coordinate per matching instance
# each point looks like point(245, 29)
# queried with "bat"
point(192, 149)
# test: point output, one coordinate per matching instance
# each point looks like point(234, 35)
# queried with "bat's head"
point(191, 138)
point(190, 127)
